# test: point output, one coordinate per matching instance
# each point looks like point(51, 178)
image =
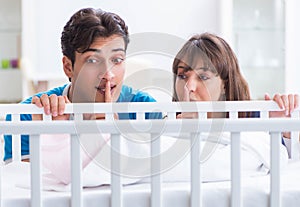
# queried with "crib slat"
point(233, 114)
point(264, 114)
point(196, 193)
point(236, 194)
point(156, 199)
point(109, 116)
point(171, 115)
point(295, 154)
point(76, 166)
point(35, 167)
point(140, 116)
point(16, 144)
point(16, 141)
point(116, 181)
point(275, 197)
point(1, 201)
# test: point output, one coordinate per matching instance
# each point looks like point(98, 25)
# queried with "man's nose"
point(108, 75)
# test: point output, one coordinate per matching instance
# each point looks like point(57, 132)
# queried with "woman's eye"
point(117, 60)
point(181, 76)
point(203, 77)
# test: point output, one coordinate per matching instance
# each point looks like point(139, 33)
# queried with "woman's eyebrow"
point(185, 68)
point(202, 68)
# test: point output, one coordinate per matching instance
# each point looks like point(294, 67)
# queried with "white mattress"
point(255, 191)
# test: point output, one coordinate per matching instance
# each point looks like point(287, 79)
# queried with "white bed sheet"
point(175, 159)
point(255, 191)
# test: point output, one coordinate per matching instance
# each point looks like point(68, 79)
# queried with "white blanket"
point(175, 160)
point(255, 191)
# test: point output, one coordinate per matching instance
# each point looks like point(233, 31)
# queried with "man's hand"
point(53, 104)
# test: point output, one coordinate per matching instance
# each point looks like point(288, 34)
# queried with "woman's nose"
point(191, 84)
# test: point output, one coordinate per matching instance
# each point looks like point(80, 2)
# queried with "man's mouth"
point(102, 89)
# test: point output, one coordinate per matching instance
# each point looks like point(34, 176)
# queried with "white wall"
point(10, 28)
point(10, 48)
point(44, 21)
point(175, 20)
point(292, 58)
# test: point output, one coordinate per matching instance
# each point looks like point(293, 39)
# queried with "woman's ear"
point(68, 68)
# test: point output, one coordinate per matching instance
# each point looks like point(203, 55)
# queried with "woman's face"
point(199, 84)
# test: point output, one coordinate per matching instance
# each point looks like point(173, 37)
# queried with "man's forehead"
point(95, 50)
point(111, 40)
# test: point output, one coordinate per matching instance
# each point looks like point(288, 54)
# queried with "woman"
point(206, 69)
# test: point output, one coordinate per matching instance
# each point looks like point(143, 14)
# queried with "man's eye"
point(117, 60)
point(92, 60)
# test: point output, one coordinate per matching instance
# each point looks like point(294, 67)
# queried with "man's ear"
point(68, 68)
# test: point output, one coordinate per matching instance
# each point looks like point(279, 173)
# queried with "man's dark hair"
point(88, 24)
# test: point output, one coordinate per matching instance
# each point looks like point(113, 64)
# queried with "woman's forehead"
point(197, 65)
point(191, 62)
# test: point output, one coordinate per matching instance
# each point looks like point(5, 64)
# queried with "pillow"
point(56, 152)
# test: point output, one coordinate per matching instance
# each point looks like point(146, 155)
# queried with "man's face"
point(98, 73)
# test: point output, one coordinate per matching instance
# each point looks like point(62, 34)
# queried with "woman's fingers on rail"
point(293, 101)
point(281, 100)
point(287, 102)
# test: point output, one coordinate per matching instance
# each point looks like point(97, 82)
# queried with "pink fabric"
point(56, 152)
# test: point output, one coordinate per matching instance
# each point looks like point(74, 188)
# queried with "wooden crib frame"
point(77, 126)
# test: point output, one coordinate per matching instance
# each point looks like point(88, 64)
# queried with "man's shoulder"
point(129, 94)
point(57, 90)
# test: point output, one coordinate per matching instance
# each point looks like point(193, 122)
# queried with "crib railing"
point(171, 125)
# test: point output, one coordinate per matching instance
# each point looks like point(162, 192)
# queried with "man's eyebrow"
point(118, 49)
point(99, 50)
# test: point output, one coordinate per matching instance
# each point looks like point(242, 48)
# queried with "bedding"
point(255, 191)
point(175, 158)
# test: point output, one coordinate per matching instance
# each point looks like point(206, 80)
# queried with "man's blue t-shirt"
point(127, 95)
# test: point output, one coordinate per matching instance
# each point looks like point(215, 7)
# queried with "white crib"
point(78, 196)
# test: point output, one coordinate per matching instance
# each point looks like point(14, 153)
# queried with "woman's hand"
point(286, 102)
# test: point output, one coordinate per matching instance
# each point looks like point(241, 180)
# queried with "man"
point(94, 44)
